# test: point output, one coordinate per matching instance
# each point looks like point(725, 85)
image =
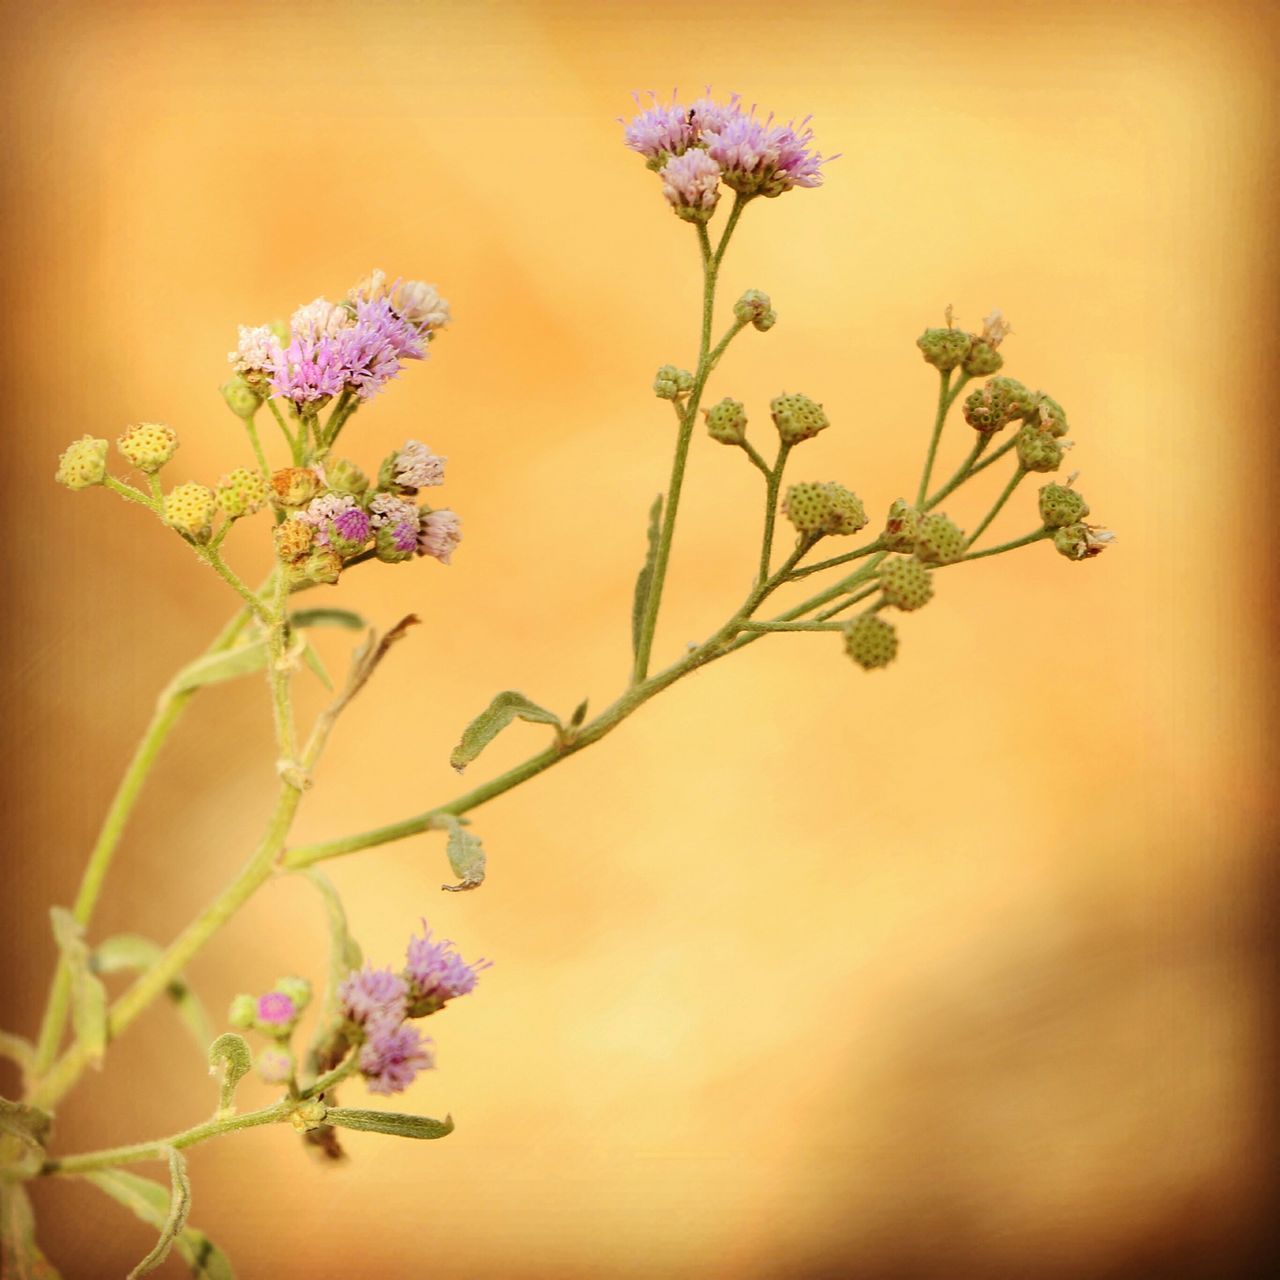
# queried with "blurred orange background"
point(949, 971)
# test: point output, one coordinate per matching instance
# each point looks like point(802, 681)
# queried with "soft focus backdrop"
point(950, 971)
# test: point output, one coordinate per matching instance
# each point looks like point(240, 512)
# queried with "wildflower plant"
point(327, 515)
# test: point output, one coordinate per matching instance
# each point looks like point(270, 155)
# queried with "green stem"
point(837, 560)
point(756, 460)
point(772, 484)
point(346, 404)
point(792, 626)
point(1004, 497)
point(946, 397)
point(294, 443)
point(971, 467)
point(255, 440)
point(209, 554)
point(278, 673)
point(130, 494)
point(1026, 540)
point(842, 605)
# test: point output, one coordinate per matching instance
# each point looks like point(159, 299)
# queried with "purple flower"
point(275, 1009)
point(339, 522)
point(708, 115)
point(691, 183)
point(661, 130)
point(416, 467)
point(373, 997)
point(438, 534)
point(437, 973)
point(760, 158)
point(309, 370)
point(387, 508)
point(393, 1056)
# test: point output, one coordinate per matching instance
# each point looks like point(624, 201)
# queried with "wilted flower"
point(438, 534)
point(416, 467)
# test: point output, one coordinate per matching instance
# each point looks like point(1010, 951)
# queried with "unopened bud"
point(308, 1115)
point(906, 583)
point(275, 1065)
point(1039, 450)
point(944, 348)
point(823, 508)
point(396, 541)
point(797, 417)
point(727, 421)
point(190, 508)
point(1061, 505)
point(148, 445)
point(83, 463)
point(871, 641)
point(755, 308)
point(1050, 415)
point(902, 526)
point(242, 399)
point(670, 382)
point(296, 989)
point(243, 1012)
point(321, 566)
point(345, 477)
point(939, 540)
point(241, 492)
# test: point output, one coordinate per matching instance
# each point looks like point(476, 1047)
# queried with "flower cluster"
point(694, 148)
point(377, 1005)
point(274, 1014)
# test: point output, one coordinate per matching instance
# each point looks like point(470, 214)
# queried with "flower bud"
point(671, 383)
point(944, 348)
point(1050, 415)
point(871, 641)
point(1039, 450)
point(939, 540)
point(243, 1012)
point(755, 308)
point(902, 526)
point(822, 508)
point(906, 583)
point(295, 989)
point(148, 445)
point(797, 417)
point(345, 477)
point(241, 398)
point(308, 1115)
point(1082, 541)
point(241, 492)
point(846, 514)
point(1003, 400)
point(983, 359)
point(321, 565)
point(727, 421)
point(396, 541)
point(83, 463)
point(275, 1065)
point(293, 539)
point(1061, 505)
point(294, 486)
point(190, 508)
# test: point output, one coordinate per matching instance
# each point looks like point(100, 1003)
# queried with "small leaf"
point(505, 708)
point(312, 659)
point(327, 618)
point(466, 856)
point(175, 1219)
point(646, 574)
point(88, 995)
point(214, 668)
point(128, 951)
point(392, 1122)
point(232, 1050)
point(20, 1256)
point(151, 1202)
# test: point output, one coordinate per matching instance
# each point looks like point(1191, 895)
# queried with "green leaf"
point(174, 1220)
point(327, 618)
point(19, 1050)
point(130, 951)
point(344, 955)
point(312, 659)
point(466, 856)
point(88, 995)
point(214, 668)
point(505, 708)
point(151, 1202)
point(20, 1256)
point(646, 574)
point(392, 1122)
point(232, 1051)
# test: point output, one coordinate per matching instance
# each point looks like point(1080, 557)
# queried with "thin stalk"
point(1004, 497)
point(848, 556)
point(255, 440)
point(130, 494)
point(756, 460)
point(946, 397)
point(773, 482)
point(294, 443)
point(278, 674)
point(209, 554)
point(971, 468)
point(1026, 540)
point(791, 626)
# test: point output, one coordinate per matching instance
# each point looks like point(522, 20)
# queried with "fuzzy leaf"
point(151, 1202)
point(505, 708)
point(20, 1256)
point(232, 1051)
point(645, 577)
point(466, 856)
point(130, 951)
point(174, 1220)
point(327, 618)
point(312, 659)
point(88, 995)
point(392, 1122)
point(214, 668)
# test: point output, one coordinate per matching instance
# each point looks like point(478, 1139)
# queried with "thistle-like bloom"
point(275, 1009)
point(417, 303)
point(438, 534)
point(436, 972)
point(691, 183)
point(338, 522)
point(758, 157)
point(386, 508)
point(373, 997)
point(393, 1056)
point(257, 350)
point(395, 521)
point(416, 467)
point(309, 370)
point(660, 131)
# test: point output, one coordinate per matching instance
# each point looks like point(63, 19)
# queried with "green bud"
point(241, 398)
point(939, 540)
point(727, 421)
point(190, 508)
point(871, 641)
point(294, 486)
point(275, 1064)
point(755, 308)
point(385, 546)
point(241, 492)
point(1003, 400)
point(845, 512)
point(83, 463)
point(1050, 415)
point(944, 348)
point(983, 359)
point(902, 527)
point(906, 583)
point(148, 445)
point(1061, 505)
point(1039, 450)
point(823, 507)
point(797, 417)
point(293, 539)
point(345, 477)
point(322, 565)
point(670, 383)
point(308, 1115)
point(1081, 541)
point(297, 989)
point(243, 1012)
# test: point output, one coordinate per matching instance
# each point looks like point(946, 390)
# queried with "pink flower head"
point(691, 183)
point(416, 467)
point(436, 973)
point(708, 115)
point(338, 521)
point(438, 533)
point(275, 1009)
point(760, 158)
point(399, 517)
point(275, 1066)
point(373, 997)
point(309, 370)
point(660, 131)
point(393, 1056)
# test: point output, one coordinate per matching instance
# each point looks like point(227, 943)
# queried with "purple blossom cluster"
point(694, 148)
point(378, 1003)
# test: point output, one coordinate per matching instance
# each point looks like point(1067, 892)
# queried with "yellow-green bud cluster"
point(1039, 450)
point(944, 348)
point(83, 463)
point(755, 308)
point(727, 421)
point(824, 507)
point(294, 486)
point(345, 477)
point(939, 540)
point(797, 417)
point(241, 398)
point(241, 492)
point(148, 445)
point(1003, 400)
point(670, 382)
point(902, 527)
point(1061, 505)
point(190, 508)
point(906, 583)
point(871, 641)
